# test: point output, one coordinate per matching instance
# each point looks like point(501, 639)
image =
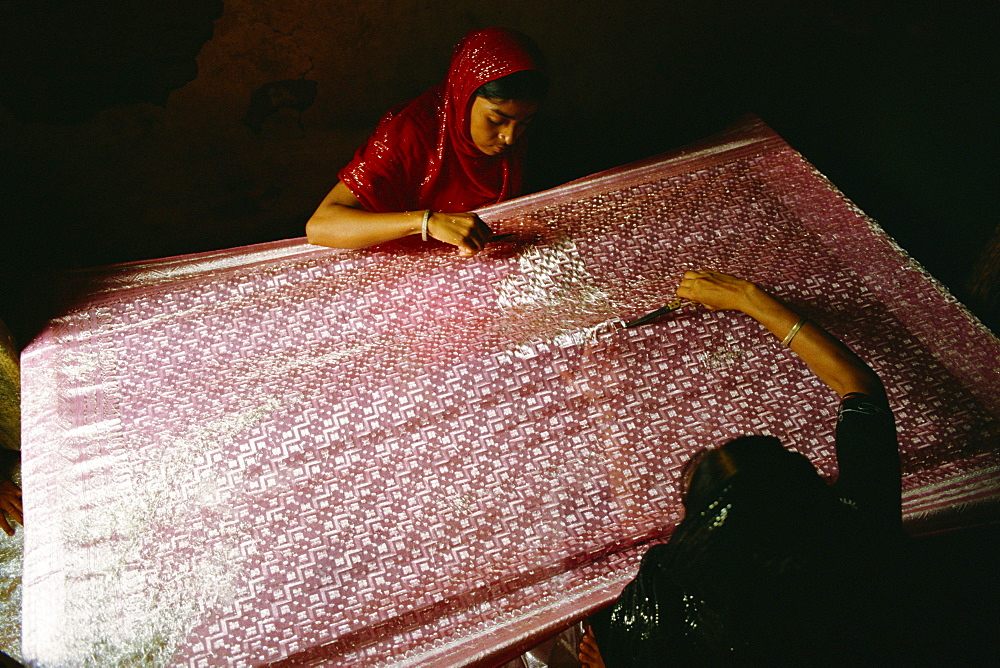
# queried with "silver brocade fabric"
point(287, 455)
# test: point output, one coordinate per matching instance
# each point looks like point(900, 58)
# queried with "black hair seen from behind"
point(710, 469)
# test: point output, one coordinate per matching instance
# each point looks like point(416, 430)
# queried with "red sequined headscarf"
point(421, 155)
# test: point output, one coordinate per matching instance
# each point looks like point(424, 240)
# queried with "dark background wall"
point(133, 129)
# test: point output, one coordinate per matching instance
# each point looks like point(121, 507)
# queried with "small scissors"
point(672, 306)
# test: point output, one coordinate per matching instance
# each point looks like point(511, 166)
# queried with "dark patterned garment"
point(779, 568)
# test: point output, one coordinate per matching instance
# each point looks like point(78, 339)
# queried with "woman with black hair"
point(771, 565)
point(455, 148)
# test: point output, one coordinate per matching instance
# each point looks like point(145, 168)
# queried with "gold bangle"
point(795, 330)
point(423, 225)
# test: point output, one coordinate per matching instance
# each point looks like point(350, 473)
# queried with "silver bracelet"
point(423, 225)
point(795, 330)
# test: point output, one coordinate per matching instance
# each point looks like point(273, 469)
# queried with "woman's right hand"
point(718, 291)
point(467, 231)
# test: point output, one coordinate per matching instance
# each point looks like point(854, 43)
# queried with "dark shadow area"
point(271, 98)
point(957, 594)
point(66, 60)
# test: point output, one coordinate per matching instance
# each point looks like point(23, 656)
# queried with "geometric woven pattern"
point(290, 455)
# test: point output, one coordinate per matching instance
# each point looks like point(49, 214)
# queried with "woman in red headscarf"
point(451, 150)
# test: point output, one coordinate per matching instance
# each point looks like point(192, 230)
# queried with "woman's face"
point(495, 125)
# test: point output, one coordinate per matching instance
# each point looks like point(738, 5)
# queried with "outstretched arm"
point(342, 222)
point(829, 359)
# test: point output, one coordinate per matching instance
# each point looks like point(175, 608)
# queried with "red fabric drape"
point(421, 155)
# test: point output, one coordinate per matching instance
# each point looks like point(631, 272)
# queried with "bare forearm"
point(830, 360)
point(833, 362)
point(340, 226)
point(342, 222)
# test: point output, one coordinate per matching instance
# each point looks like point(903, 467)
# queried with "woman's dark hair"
point(523, 85)
point(707, 470)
